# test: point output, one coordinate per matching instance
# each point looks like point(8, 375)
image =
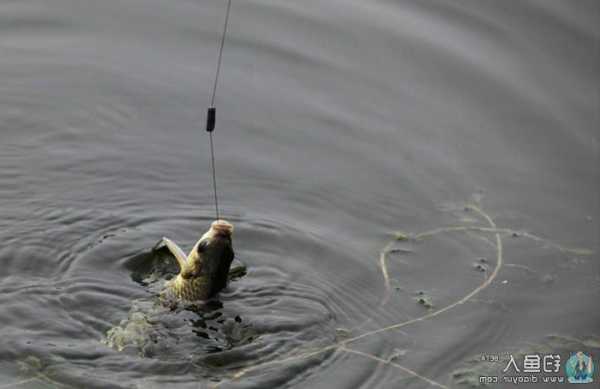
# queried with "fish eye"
point(202, 246)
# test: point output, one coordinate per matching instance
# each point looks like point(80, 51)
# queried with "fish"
point(203, 272)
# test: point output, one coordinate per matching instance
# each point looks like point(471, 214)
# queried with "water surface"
point(339, 123)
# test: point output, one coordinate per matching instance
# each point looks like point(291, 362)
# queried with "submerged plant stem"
point(498, 245)
point(394, 364)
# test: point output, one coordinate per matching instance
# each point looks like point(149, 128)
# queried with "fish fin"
point(195, 258)
point(176, 251)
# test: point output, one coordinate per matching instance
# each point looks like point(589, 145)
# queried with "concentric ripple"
point(283, 305)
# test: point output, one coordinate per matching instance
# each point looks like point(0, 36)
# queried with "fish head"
point(212, 255)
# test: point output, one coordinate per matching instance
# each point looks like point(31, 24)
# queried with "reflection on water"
point(340, 123)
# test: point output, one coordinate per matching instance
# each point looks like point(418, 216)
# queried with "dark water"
point(339, 123)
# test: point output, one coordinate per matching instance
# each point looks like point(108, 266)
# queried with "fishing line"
point(211, 113)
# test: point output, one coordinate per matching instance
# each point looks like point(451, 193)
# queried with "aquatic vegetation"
point(150, 330)
point(479, 231)
point(33, 369)
point(424, 299)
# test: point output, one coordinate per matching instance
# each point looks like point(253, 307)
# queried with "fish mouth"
point(222, 227)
